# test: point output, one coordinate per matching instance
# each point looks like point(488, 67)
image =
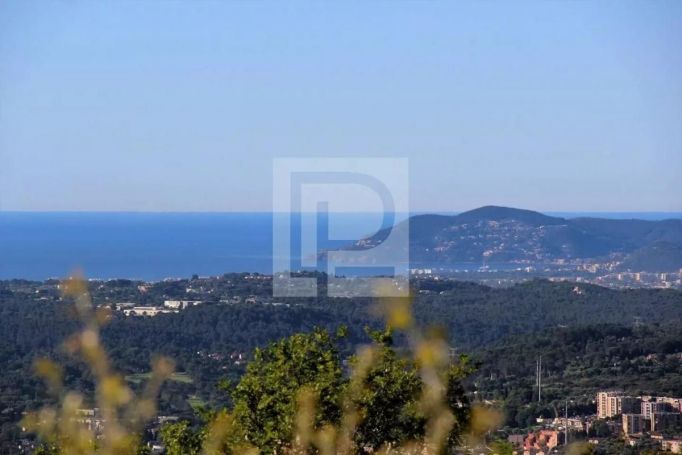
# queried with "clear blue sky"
point(181, 106)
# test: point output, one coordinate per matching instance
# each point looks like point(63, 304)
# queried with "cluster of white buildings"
point(169, 306)
point(643, 414)
point(421, 271)
point(641, 279)
point(613, 403)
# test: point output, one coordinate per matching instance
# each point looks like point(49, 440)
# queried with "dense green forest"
point(586, 335)
point(577, 362)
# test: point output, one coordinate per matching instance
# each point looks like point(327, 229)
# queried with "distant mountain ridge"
point(492, 234)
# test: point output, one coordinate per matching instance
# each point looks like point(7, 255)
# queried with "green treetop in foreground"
point(379, 404)
point(265, 400)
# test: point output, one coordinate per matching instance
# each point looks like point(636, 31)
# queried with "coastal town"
point(656, 420)
point(605, 274)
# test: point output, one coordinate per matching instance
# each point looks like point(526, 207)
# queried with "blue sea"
point(154, 246)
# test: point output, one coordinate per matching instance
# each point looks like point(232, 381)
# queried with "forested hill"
point(473, 314)
point(204, 339)
point(631, 358)
point(576, 363)
point(491, 234)
point(477, 315)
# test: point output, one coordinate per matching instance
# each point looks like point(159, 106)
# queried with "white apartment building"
point(181, 304)
point(613, 403)
point(649, 408)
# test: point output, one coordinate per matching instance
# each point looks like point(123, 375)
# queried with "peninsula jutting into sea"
point(496, 246)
